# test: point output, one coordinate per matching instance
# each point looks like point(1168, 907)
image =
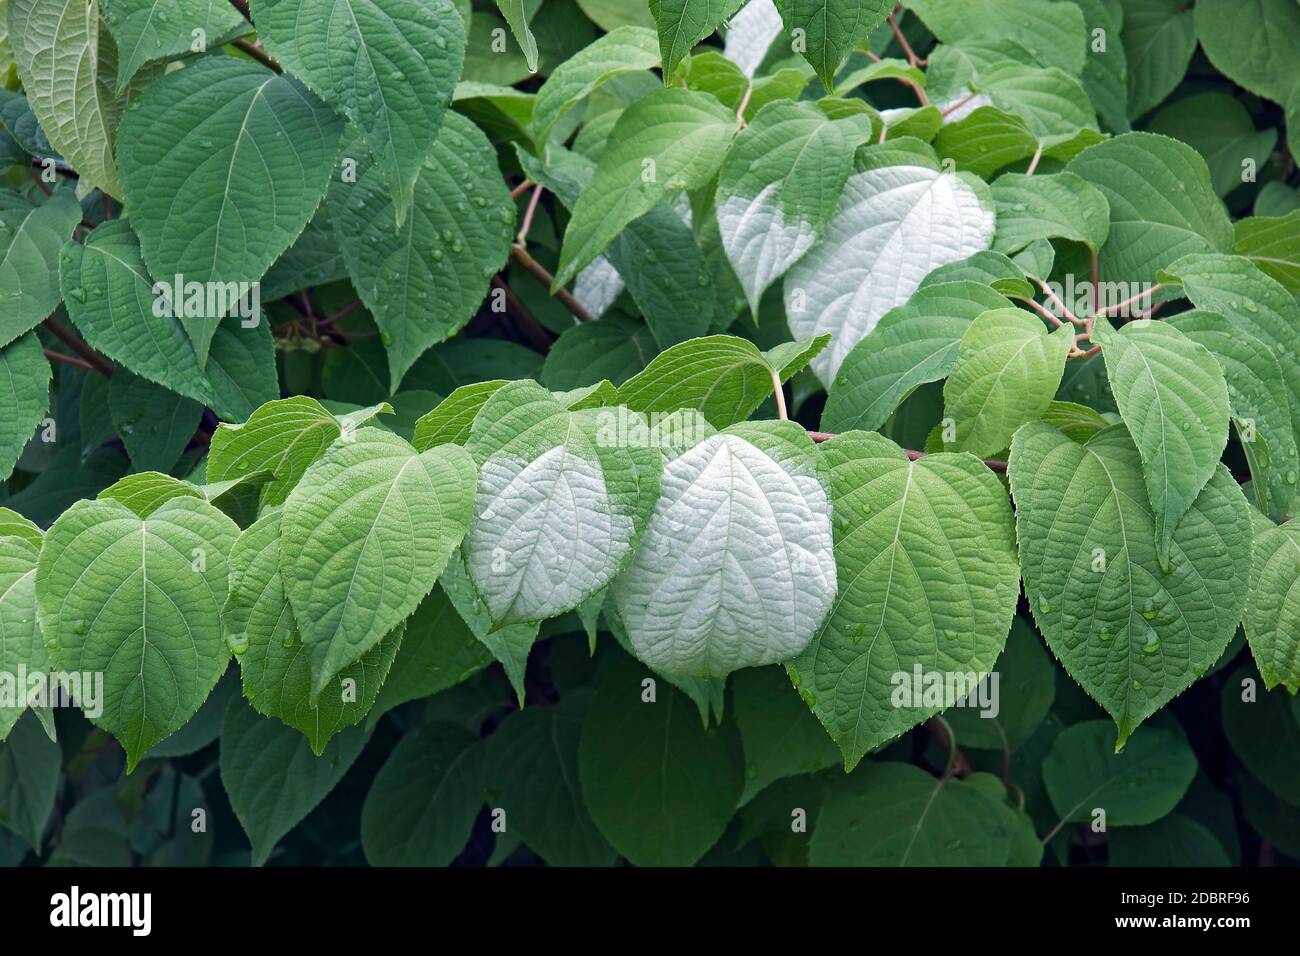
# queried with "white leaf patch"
point(759, 242)
point(546, 535)
point(736, 566)
point(893, 227)
point(751, 33)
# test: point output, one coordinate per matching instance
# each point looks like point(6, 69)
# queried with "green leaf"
point(780, 737)
point(659, 785)
point(1264, 732)
point(1053, 104)
point(1007, 372)
point(989, 139)
point(911, 345)
point(778, 187)
point(271, 776)
point(423, 280)
point(613, 349)
point(367, 531)
point(1174, 841)
point(1133, 635)
point(438, 651)
point(21, 644)
point(1106, 71)
point(1159, 38)
point(29, 780)
point(627, 49)
point(147, 30)
point(147, 491)
point(253, 150)
point(148, 618)
point(510, 645)
point(1162, 204)
point(1062, 206)
point(1221, 130)
point(422, 805)
point(1237, 289)
point(533, 777)
point(668, 141)
point(109, 298)
point(389, 66)
point(12, 524)
point(985, 268)
point(283, 437)
point(894, 225)
point(656, 255)
point(1052, 32)
point(1085, 771)
point(450, 421)
point(612, 14)
point(1273, 607)
point(1172, 394)
point(895, 814)
point(274, 663)
point(30, 240)
point(67, 66)
point(684, 23)
point(1255, 43)
point(156, 425)
point(832, 29)
point(24, 396)
point(1260, 403)
point(901, 526)
point(516, 15)
point(723, 377)
point(313, 259)
point(558, 508)
point(1026, 687)
point(1273, 244)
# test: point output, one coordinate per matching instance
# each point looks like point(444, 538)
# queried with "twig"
point(538, 271)
point(258, 54)
point(527, 224)
point(522, 188)
point(744, 104)
point(912, 58)
point(958, 105)
point(956, 764)
point(529, 327)
point(1033, 163)
point(69, 338)
point(36, 178)
point(778, 392)
point(1056, 300)
point(68, 359)
point(242, 7)
point(342, 313)
point(993, 464)
point(1045, 313)
point(1118, 308)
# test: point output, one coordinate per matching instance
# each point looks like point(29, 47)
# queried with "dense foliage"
point(807, 432)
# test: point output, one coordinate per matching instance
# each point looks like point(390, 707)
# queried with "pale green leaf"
point(668, 141)
point(1134, 636)
point(627, 49)
point(21, 644)
point(911, 345)
point(1162, 204)
point(832, 29)
point(902, 527)
point(138, 600)
point(1008, 369)
point(684, 23)
point(367, 531)
point(1273, 244)
point(1063, 206)
point(1174, 400)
